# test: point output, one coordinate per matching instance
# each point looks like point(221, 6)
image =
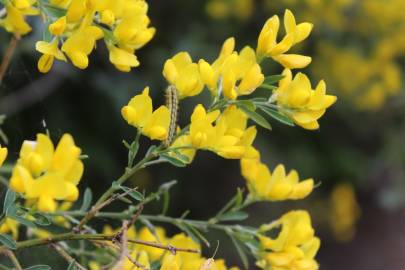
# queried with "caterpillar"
point(172, 102)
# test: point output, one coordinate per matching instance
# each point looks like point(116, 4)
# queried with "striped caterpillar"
point(172, 102)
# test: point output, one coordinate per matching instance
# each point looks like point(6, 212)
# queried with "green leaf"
point(241, 251)
point(133, 151)
point(277, 115)
point(38, 267)
point(273, 79)
point(186, 228)
point(260, 120)
point(88, 197)
point(9, 200)
point(238, 198)
point(72, 266)
point(41, 219)
point(268, 86)
point(133, 193)
point(198, 234)
point(234, 216)
point(166, 186)
point(55, 12)
point(173, 160)
point(8, 241)
point(12, 213)
point(246, 103)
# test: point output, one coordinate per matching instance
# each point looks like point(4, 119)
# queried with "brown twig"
point(8, 55)
point(92, 237)
point(13, 259)
point(66, 256)
point(121, 241)
point(95, 209)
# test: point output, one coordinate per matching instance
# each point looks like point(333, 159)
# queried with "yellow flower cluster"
point(146, 255)
point(369, 58)
point(294, 247)
point(264, 185)
point(124, 26)
point(44, 173)
point(297, 98)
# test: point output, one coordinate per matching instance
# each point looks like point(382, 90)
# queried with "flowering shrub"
point(44, 180)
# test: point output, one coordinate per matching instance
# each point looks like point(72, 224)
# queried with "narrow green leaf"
point(38, 267)
point(12, 213)
point(268, 86)
point(133, 193)
point(8, 241)
point(282, 118)
point(9, 200)
point(260, 120)
point(241, 251)
point(185, 228)
point(173, 160)
point(239, 197)
point(166, 201)
point(133, 151)
point(273, 79)
point(72, 266)
point(199, 235)
point(167, 185)
point(248, 104)
point(41, 219)
point(234, 216)
point(87, 198)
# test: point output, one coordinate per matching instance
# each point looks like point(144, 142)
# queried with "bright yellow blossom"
point(181, 72)
point(146, 235)
point(79, 45)
point(58, 27)
point(298, 100)
point(267, 45)
point(123, 60)
point(139, 113)
point(47, 174)
point(264, 185)
point(235, 73)
point(50, 51)
point(295, 246)
point(3, 155)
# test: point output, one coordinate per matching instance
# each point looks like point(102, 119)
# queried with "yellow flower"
point(139, 113)
point(9, 225)
point(58, 27)
point(264, 185)
point(14, 21)
point(77, 9)
point(345, 212)
point(3, 155)
point(47, 174)
point(50, 51)
point(234, 140)
point(267, 45)
point(80, 44)
point(236, 74)
point(169, 263)
point(210, 74)
point(181, 72)
point(298, 100)
point(202, 130)
point(295, 246)
point(123, 60)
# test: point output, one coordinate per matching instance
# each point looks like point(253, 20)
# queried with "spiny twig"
point(96, 208)
point(66, 256)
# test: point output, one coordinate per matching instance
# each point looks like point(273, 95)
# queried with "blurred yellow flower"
point(344, 212)
point(50, 51)
point(9, 226)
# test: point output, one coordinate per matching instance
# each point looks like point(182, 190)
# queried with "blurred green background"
point(357, 46)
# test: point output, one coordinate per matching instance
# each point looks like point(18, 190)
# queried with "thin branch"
point(121, 241)
point(13, 259)
point(90, 237)
point(8, 55)
point(96, 208)
point(66, 256)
